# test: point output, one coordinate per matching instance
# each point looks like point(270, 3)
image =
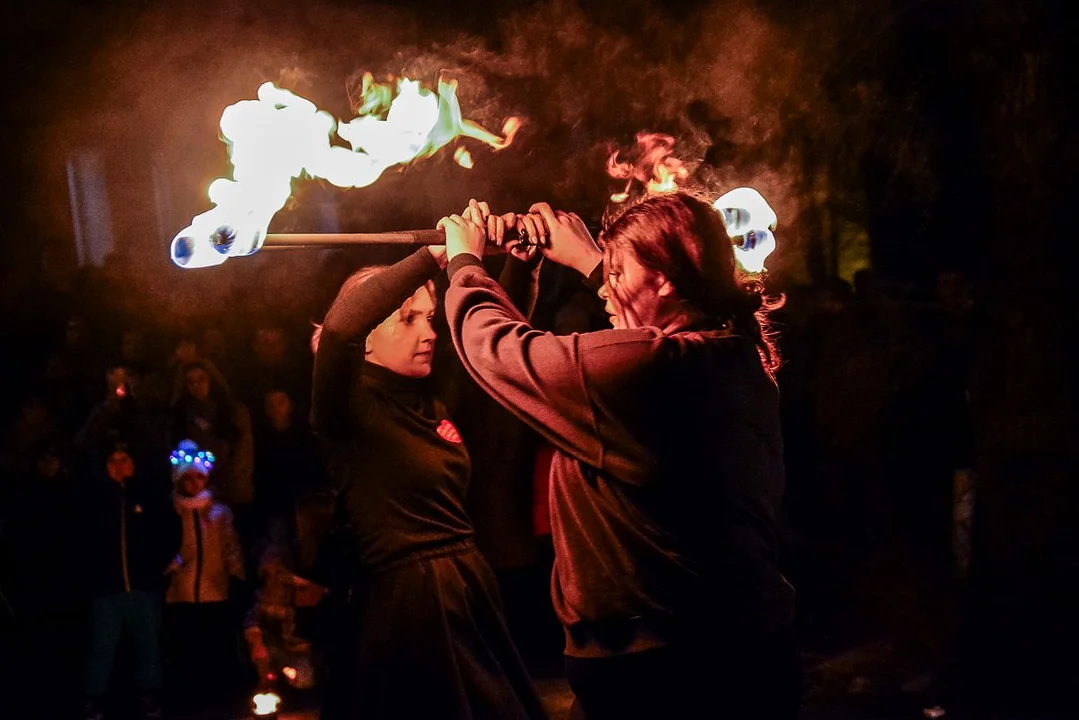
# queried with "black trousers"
point(743, 679)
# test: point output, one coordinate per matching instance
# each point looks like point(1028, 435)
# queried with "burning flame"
point(280, 137)
point(463, 158)
point(656, 168)
point(266, 703)
point(289, 672)
point(749, 219)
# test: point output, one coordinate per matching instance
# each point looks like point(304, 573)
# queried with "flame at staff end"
point(281, 137)
point(750, 222)
point(651, 164)
point(654, 166)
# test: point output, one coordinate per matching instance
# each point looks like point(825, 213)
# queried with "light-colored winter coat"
point(210, 552)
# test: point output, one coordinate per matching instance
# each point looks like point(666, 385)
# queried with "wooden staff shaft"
point(337, 240)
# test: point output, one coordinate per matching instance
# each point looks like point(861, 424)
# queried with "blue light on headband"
point(187, 455)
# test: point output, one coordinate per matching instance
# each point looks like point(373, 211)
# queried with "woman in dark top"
point(425, 635)
point(667, 475)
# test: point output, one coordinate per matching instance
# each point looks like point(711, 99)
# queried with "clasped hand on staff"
point(561, 236)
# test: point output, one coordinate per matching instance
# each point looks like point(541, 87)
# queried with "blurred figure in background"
point(131, 536)
point(41, 580)
point(205, 410)
point(287, 464)
point(277, 650)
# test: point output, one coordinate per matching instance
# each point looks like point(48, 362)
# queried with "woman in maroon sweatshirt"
point(423, 633)
point(668, 473)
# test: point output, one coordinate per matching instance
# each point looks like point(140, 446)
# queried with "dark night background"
point(912, 137)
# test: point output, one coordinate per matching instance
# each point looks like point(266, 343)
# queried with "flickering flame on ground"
point(266, 703)
point(280, 137)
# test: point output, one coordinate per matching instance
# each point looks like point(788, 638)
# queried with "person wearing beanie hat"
point(202, 633)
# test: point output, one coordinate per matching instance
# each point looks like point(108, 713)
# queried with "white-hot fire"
point(652, 167)
point(280, 137)
point(655, 166)
point(750, 222)
point(463, 158)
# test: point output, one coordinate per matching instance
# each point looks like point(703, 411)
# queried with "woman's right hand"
point(569, 242)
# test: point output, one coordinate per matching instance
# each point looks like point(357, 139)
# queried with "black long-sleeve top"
point(392, 452)
point(667, 475)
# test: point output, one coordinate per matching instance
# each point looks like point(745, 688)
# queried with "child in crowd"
point(201, 621)
point(270, 628)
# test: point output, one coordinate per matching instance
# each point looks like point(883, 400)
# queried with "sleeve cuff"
point(595, 278)
point(429, 262)
point(461, 261)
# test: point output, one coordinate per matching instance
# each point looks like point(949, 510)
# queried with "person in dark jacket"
point(132, 535)
point(287, 464)
point(422, 632)
point(667, 474)
point(39, 567)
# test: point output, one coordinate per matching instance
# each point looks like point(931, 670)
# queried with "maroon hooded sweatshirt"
point(667, 476)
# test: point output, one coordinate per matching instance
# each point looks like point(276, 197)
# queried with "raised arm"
point(535, 375)
point(354, 314)
point(520, 272)
point(544, 379)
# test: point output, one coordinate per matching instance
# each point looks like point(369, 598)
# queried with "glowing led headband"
point(188, 455)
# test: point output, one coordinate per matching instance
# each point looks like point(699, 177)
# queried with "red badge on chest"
point(447, 431)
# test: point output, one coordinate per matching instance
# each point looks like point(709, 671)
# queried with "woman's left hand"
point(463, 235)
point(497, 225)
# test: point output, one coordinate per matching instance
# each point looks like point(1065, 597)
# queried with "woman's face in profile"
point(405, 341)
point(630, 291)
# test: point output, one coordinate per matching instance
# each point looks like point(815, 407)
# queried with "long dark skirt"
point(428, 639)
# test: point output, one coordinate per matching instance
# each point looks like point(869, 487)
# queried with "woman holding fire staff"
point(424, 634)
point(668, 471)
